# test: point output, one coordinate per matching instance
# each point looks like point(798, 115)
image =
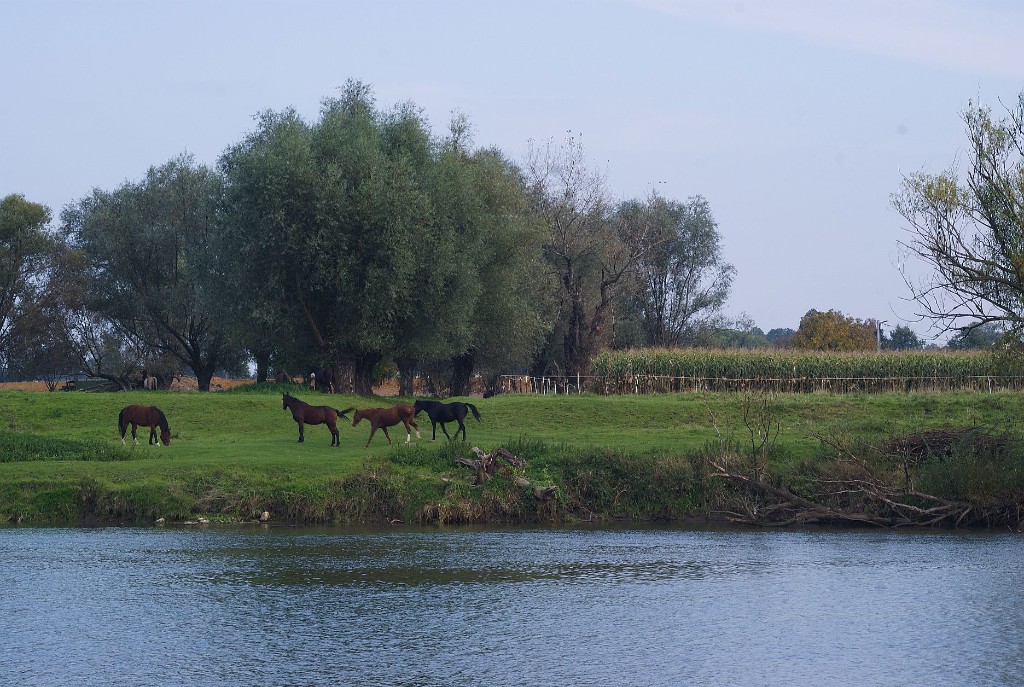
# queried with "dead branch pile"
point(942, 443)
point(855, 492)
point(856, 497)
point(487, 465)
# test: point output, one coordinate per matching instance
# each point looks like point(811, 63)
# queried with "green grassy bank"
point(234, 455)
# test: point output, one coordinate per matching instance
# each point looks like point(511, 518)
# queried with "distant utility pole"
point(878, 335)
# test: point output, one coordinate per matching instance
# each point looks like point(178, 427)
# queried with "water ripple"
point(564, 607)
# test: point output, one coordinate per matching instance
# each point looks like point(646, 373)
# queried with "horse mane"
point(163, 419)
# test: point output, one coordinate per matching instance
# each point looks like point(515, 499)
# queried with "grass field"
point(235, 454)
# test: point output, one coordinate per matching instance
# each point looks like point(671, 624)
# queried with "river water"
point(113, 606)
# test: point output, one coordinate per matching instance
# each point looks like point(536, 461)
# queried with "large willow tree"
point(150, 264)
point(364, 236)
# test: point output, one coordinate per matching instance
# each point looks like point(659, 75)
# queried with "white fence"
point(646, 384)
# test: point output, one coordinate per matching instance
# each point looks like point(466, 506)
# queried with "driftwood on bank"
point(854, 494)
point(487, 465)
point(875, 502)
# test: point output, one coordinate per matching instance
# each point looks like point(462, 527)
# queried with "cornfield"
point(678, 370)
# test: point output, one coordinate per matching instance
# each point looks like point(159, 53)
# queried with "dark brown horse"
point(322, 378)
point(382, 418)
point(305, 414)
point(446, 412)
point(147, 416)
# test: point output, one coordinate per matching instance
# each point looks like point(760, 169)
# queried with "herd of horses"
point(306, 414)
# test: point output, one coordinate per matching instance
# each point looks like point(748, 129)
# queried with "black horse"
point(446, 412)
point(322, 379)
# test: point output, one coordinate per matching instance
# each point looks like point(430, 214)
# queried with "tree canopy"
point(969, 229)
point(833, 331)
point(381, 240)
point(151, 270)
point(24, 245)
point(358, 241)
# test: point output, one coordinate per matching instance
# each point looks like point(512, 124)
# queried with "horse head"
point(165, 435)
point(284, 401)
point(356, 417)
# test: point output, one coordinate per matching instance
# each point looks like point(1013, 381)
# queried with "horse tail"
point(120, 420)
point(341, 413)
point(476, 413)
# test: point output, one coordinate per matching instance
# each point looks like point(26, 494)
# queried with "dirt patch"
point(24, 386)
point(216, 384)
point(179, 384)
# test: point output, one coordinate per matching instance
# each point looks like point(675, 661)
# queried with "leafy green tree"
point(742, 333)
point(969, 229)
point(780, 336)
point(497, 243)
point(369, 235)
point(24, 246)
point(681, 280)
point(903, 338)
point(980, 337)
point(153, 273)
point(833, 331)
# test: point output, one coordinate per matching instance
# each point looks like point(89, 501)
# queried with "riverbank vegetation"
point(949, 459)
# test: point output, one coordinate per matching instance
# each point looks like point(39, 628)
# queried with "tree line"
point(361, 242)
point(364, 243)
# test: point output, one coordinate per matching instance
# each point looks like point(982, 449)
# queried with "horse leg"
point(417, 427)
point(462, 428)
point(134, 438)
point(433, 427)
point(445, 430)
point(335, 438)
point(302, 436)
point(373, 428)
point(152, 435)
point(385, 430)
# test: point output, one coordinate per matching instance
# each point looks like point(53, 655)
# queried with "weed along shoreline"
point(939, 460)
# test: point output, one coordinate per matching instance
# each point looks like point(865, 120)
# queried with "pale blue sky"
point(794, 118)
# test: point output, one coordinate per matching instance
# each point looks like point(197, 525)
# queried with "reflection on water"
point(509, 607)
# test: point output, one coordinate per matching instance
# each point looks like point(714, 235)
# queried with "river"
point(634, 606)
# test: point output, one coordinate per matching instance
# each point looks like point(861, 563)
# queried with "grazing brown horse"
point(382, 418)
point(305, 414)
point(147, 416)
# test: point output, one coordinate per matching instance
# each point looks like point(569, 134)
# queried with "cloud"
point(973, 37)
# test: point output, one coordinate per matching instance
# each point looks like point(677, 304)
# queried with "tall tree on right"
point(969, 229)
